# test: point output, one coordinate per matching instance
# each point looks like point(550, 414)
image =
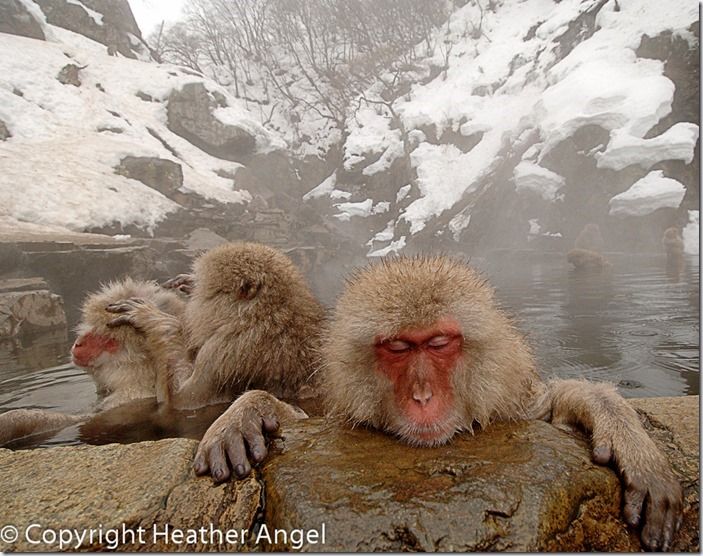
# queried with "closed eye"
point(439, 342)
point(397, 346)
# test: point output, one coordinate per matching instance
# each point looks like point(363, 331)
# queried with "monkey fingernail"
point(241, 471)
point(601, 455)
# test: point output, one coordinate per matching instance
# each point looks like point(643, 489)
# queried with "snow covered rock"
point(17, 19)
point(652, 192)
point(109, 22)
point(192, 115)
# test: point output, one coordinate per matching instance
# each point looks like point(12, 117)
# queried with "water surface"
point(634, 325)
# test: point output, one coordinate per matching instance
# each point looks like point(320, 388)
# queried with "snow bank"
point(652, 192)
point(57, 168)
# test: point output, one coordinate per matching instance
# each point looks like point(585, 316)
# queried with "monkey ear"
point(249, 289)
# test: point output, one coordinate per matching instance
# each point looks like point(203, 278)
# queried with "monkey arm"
point(618, 435)
point(19, 423)
point(241, 429)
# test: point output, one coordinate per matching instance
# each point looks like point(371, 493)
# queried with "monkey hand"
point(238, 435)
point(183, 283)
point(133, 312)
point(648, 477)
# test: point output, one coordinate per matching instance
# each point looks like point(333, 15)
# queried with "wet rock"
point(517, 487)
point(143, 485)
point(190, 115)
point(70, 75)
point(15, 19)
point(521, 487)
point(28, 305)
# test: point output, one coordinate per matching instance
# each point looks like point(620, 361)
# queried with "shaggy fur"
point(251, 322)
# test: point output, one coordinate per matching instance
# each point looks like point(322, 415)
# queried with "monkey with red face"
point(116, 358)
point(418, 348)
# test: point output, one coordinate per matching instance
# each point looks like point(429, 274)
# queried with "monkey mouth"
point(427, 435)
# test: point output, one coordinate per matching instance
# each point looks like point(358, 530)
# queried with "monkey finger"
point(121, 321)
point(634, 499)
point(234, 444)
point(669, 529)
point(653, 530)
point(257, 444)
point(217, 461)
point(200, 465)
point(119, 307)
point(601, 454)
point(270, 423)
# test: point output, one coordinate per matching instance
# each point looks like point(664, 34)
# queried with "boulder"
point(109, 22)
point(70, 75)
point(143, 487)
point(27, 305)
point(4, 131)
point(161, 174)
point(190, 115)
point(15, 19)
point(514, 487)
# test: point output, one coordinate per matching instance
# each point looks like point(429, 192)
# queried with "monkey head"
point(97, 345)
point(412, 346)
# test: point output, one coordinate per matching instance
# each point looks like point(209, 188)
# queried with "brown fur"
point(497, 377)
point(251, 322)
point(126, 375)
point(584, 260)
point(494, 380)
point(131, 373)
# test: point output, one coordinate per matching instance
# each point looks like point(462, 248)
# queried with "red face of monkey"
point(420, 364)
point(91, 350)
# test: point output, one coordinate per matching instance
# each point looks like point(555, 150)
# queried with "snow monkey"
point(250, 322)
point(416, 347)
point(116, 358)
point(587, 260)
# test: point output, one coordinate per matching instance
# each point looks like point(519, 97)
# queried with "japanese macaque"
point(250, 322)
point(589, 238)
point(417, 348)
point(586, 260)
point(116, 358)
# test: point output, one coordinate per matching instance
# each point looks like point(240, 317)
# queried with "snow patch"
point(676, 143)
point(648, 194)
point(394, 247)
point(529, 176)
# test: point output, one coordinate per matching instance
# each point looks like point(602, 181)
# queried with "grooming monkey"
point(116, 358)
point(250, 322)
point(417, 348)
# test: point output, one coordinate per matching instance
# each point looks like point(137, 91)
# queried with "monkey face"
point(92, 350)
point(419, 364)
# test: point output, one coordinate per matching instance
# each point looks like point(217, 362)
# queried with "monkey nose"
point(422, 395)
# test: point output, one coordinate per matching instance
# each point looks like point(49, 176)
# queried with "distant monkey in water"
point(116, 358)
point(251, 322)
point(586, 255)
point(417, 348)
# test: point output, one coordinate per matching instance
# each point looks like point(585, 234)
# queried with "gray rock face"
point(27, 304)
point(70, 75)
point(115, 23)
point(190, 115)
point(4, 131)
point(161, 174)
point(16, 20)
